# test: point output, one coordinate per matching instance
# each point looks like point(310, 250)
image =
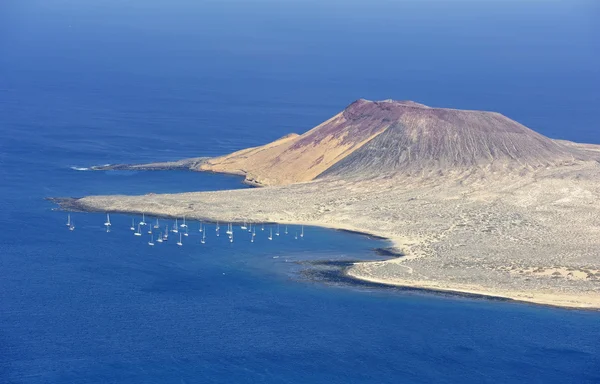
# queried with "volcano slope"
point(475, 201)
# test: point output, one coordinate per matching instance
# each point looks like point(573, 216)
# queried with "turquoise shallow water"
point(85, 84)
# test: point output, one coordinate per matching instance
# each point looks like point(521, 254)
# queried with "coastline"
point(591, 302)
point(549, 300)
point(358, 271)
point(190, 164)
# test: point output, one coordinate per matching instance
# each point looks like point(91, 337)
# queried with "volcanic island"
point(472, 201)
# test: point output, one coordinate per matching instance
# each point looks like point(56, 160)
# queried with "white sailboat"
point(139, 231)
point(179, 242)
point(183, 225)
point(244, 226)
point(132, 224)
point(107, 220)
point(231, 238)
point(302, 233)
point(229, 229)
point(201, 227)
point(254, 231)
point(277, 233)
point(250, 228)
point(262, 228)
point(149, 230)
point(157, 225)
point(71, 225)
point(251, 237)
point(203, 240)
point(160, 238)
point(166, 235)
point(271, 234)
point(296, 237)
point(286, 231)
point(143, 222)
point(69, 220)
point(151, 242)
point(186, 231)
point(175, 230)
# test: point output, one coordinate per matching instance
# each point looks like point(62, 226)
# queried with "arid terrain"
point(475, 201)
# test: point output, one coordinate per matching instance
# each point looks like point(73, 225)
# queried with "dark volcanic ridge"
point(185, 164)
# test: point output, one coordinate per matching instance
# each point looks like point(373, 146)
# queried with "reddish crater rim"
point(397, 105)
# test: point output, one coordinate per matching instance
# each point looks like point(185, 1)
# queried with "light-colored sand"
point(530, 236)
point(587, 301)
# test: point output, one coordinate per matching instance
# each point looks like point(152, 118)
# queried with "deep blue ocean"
point(85, 83)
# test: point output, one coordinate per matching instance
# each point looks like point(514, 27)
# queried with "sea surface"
point(88, 83)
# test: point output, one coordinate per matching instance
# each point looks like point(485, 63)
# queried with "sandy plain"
point(532, 235)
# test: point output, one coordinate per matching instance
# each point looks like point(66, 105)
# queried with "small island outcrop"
point(475, 201)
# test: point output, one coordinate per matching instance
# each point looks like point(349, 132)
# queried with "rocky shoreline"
point(185, 164)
